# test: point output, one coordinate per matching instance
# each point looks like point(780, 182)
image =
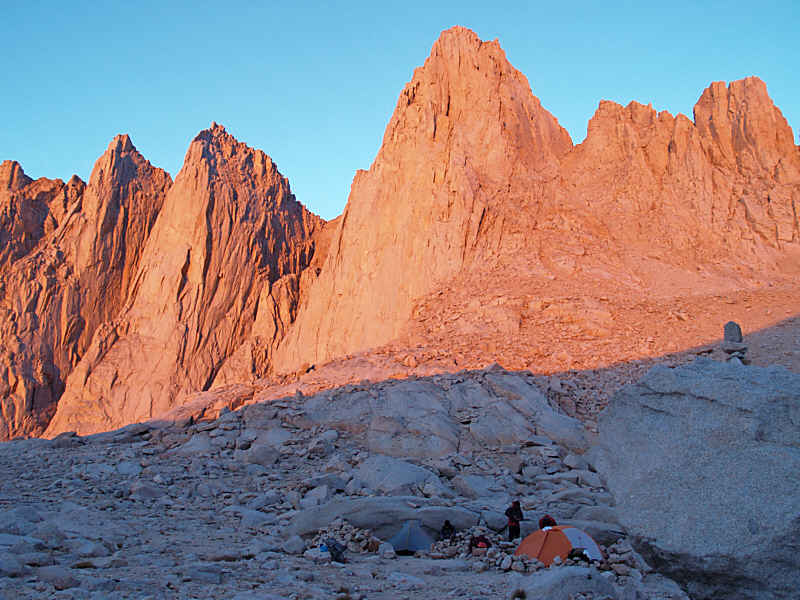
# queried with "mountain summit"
point(466, 134)
point(474, 174)
point(229, 227)
point(75, 255)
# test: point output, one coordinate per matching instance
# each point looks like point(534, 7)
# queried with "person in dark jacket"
point(547, 521)
point(448, 531)
point(514, 514)
point(479, 541)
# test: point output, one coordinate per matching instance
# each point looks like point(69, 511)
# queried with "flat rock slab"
point(702, 461)
point(387, 474)
point(59, 577)
point(86, 522)
point(566, 583)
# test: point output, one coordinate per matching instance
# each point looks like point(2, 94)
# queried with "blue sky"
point(314, 84)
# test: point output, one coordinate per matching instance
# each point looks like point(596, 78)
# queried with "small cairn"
point(357, 541)
point(623, 563)
point(499, 557)
point(732, 343)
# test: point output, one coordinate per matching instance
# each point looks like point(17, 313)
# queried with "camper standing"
point(514, 514)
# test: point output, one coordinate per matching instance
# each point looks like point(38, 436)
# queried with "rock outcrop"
point(474, 174)
point(722, 189)
point(702, 462)
point(466, 130)
point(229, 229)
point(75, 251)
point(30, 210)
point(423, 419)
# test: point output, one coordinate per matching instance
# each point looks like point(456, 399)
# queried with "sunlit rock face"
point(129, 293)
point(74, 254)
point(724, 188)
point(474, 173)
point(466, 137)
point(229, 228)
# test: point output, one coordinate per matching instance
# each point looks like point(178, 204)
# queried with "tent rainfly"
point(411, 538)
point(545, 544)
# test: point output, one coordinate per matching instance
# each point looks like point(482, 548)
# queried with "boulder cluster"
point(228, 506)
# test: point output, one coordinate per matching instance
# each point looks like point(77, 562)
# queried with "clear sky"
point(314, 84)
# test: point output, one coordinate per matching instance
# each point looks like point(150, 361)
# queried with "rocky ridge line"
point(475, 179)
point(229, 229)
point(77, 248)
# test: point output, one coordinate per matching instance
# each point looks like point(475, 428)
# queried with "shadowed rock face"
point(229, 228)
point(277, 310)
point(702, 463)
point(76, 249)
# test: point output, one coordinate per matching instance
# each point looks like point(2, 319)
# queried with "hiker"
point(336, 550)
point(546, 522)
point(479, 541)
point(514, 514)
point(448, 531)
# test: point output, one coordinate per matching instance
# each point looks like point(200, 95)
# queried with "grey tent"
point(411, 538)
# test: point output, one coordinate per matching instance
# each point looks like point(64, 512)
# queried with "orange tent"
point(545, 544)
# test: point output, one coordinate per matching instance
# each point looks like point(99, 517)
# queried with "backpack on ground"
point(336, 550)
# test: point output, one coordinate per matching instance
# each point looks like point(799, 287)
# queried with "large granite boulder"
point(703, 463)
point(566, 583)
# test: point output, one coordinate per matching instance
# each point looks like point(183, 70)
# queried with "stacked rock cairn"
point(732, 343)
